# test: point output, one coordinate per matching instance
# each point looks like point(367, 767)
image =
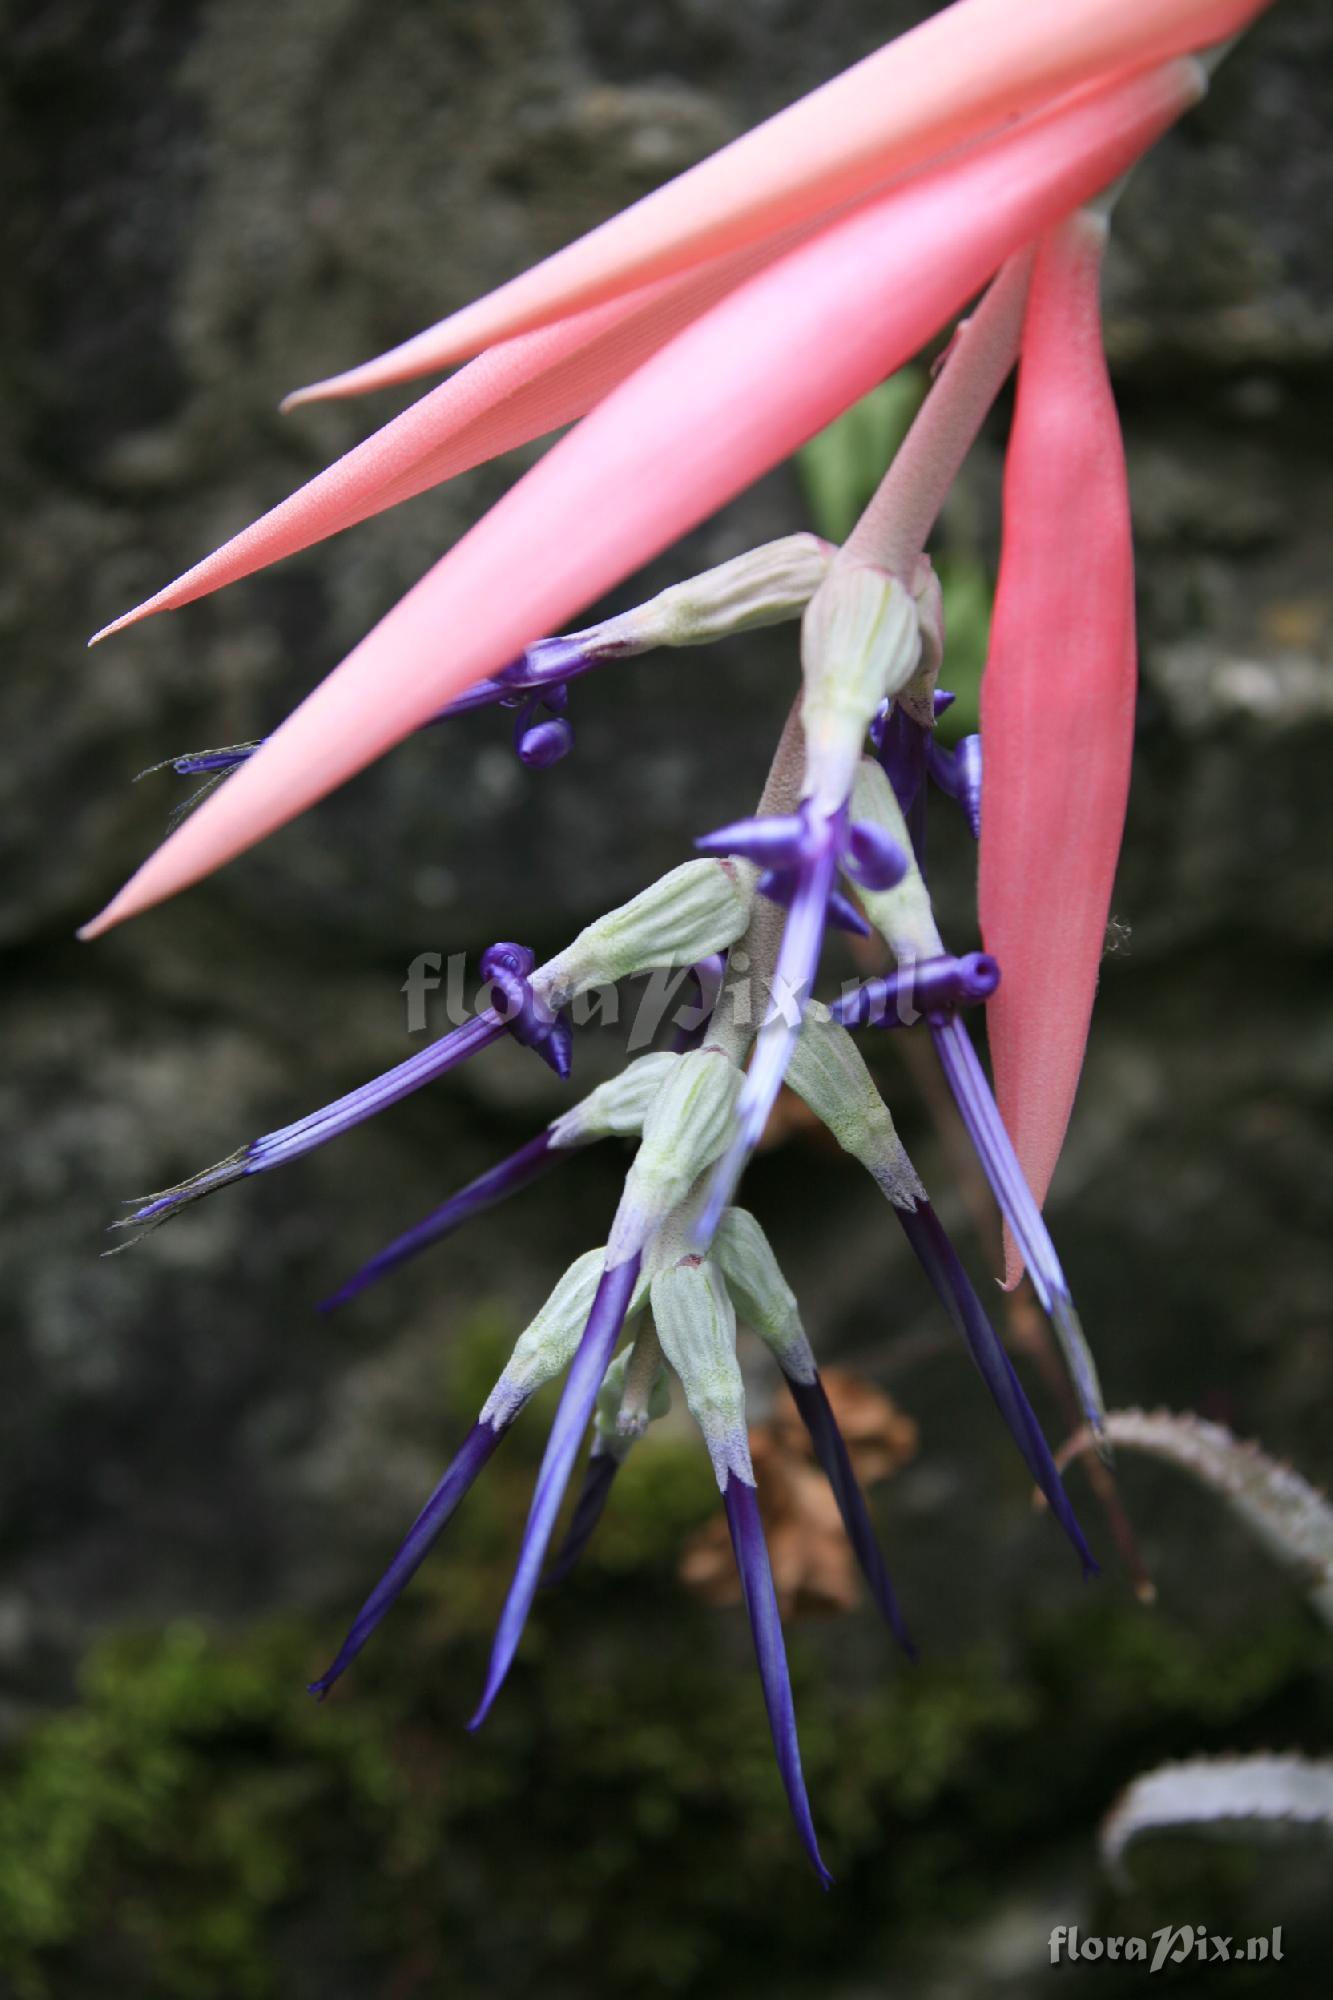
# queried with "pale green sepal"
point(761, 1295)
point(828, 1071)
point(700, 908)
point(860, 641)
point(616, 1108)
point(765, 586)
point(902, 915)
point(548, 1343)
point(696, 1324)
point(688, 1124)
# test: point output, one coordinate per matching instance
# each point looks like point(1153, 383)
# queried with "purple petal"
point(793, 982)
point(747, 1539)
point(901, 746)
point(976, 1105)
point(770, 842)
point(874, 857)
point(571, 1420)
point(931, 984)
point(556, 1047)
point(594, 1493)
point(482, 694)
point(476, 1448)
point(940, 1262)
point(811, 1399)
point(958, 772)
point(291, 1141)
point(550, 661)
point(528, 1164)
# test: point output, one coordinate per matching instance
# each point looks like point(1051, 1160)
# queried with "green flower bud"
point(696, 1324)
point(761, 1295)
point(616, 1108)
point(688, 1124)
point(764, 586)
point(828, 1071)
point(547, 1344)
point(699, 908)
point(860, 641)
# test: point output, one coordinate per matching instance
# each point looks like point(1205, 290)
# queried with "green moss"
point(194, 1816)
point(195, 1826)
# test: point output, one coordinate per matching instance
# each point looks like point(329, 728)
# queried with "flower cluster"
point(706, 333)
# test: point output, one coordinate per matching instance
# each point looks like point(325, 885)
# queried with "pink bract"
point(721, 403)
point(1057, 705)
point(968, 72)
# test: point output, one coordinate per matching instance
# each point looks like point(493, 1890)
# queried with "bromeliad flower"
point(704, 334)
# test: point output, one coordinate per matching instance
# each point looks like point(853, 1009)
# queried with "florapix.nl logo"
point(1171, 1945)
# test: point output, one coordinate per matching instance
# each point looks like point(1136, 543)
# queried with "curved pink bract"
point(967, 72)
point(720, 404)
point(519, 390)
point(1057, 705)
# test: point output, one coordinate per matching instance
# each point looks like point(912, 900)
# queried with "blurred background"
point(208, 202)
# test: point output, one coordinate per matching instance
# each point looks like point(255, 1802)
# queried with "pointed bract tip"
point(325, 390)
point(125, 903)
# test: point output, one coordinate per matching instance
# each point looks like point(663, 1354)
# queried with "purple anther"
point(541, 744)
point(933, 987)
